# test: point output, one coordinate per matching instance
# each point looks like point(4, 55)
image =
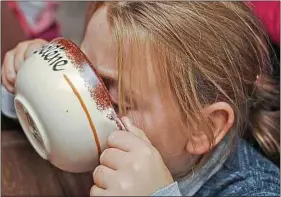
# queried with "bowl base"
point(30, 126)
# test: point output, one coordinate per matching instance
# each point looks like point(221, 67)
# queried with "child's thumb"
point(133, 129)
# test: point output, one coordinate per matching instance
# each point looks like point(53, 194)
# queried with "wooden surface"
point(25, 173)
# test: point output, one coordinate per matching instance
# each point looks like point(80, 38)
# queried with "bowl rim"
point(90, 64)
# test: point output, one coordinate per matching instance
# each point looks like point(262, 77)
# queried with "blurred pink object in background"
point(269, 14)
point(38, 19)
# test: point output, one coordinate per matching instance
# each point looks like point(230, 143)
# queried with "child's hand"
point(14, 58)
point(130, 166)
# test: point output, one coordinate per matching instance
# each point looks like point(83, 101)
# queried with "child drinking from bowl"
point(191, 78)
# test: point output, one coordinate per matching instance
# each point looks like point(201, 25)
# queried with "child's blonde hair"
point(206, 52)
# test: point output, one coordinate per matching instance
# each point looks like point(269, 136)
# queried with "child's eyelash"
point(116, 108)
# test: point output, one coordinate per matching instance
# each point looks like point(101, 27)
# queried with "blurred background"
point(27, 19)
point(70, 13)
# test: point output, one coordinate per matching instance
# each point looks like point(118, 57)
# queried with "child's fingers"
point(8, 70)
point(124, 140)
point(113, 158)
point(36, 44)
point(5, 82)
point(19, 55)
point(13, 60)
point(103, 176)
point(133, 129)
point(25, 49)
point(97, 191)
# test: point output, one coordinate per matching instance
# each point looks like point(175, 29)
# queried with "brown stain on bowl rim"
point(99, 93)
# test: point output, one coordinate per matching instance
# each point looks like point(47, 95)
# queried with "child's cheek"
point(138, 118)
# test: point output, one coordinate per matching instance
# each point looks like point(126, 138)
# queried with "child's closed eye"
point(116, 103)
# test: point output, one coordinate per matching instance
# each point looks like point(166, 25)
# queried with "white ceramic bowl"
point(64, 107)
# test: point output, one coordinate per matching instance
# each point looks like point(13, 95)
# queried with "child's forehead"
point(98, 28)
point(101, 48)
point(98, 40)
point(99, 20)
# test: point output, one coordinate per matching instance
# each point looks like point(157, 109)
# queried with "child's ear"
point(221, 115)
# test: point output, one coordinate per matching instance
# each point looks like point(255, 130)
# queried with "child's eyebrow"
point(112, 74)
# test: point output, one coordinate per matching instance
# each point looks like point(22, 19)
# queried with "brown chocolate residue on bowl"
point(79, 60)
point(73, 53)
point(101, 97)
point(98, 92)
